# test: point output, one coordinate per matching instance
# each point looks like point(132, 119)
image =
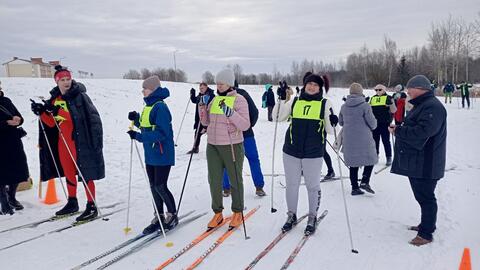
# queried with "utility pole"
point(175, 64)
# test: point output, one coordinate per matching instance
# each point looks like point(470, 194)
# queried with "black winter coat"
point(252, 112)
point(87, 134)
point(303, 139)
point(421, 142)
point(270, 97)
point(13, 161)
point(195, 99)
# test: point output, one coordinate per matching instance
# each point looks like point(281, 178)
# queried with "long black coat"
point(421, 142)
point(87, 134)
point(13, 162)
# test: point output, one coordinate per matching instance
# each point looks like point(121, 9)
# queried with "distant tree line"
point(451, 54)
point(165, 74)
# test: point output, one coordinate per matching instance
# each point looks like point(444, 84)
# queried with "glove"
point(285, 85)
point(282, 93)
point(49, 107)
point(203, 100)
point(344, 99)
point(133, 116)
point(226, 110)
point(37, 108)
point(298, 89)
point(192, 92)
point(333, 120)
point(367, 99)
point(133, 134)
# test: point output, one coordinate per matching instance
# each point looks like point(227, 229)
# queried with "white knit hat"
point(225, 76)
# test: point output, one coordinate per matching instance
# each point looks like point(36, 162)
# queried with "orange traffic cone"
point(465, 264)
point(51, 196)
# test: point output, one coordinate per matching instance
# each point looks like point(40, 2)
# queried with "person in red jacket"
point(400, 99)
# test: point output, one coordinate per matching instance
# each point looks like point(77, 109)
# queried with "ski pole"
point(168, 244)
point(127, 229)
point(53, 158)
point(181, 123)
point(82, 179)
point(341, 159)
point(272, 209)
point(197, 133)
point(343, 195)
point(236, 178)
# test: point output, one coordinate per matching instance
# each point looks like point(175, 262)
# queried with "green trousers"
point(218, 158)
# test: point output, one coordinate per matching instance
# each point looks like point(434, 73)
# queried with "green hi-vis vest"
point(63, 105)
point(217, 100)
point(145, 117)
point(309, 110)
point(378, 100)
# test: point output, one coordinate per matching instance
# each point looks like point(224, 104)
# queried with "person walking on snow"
point(448, 90)
point(71, 110)
point(13, 161)
point(199, 130)
point(465, 92)
point(226, 117)
point(156, 134)
point(250, 147)
point(420, 152)
point(268, 100)
point(304, 145)
point(383, 107)
point(358, 146)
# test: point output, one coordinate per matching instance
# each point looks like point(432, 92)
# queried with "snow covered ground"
point(378, 221)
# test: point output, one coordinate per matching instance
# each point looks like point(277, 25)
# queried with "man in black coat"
point(420, 152)
point(13, 161)
point(74, 131)
point(250, 147)
point(199, 129)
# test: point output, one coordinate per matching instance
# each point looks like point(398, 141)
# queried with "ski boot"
point(236, 220)
point(5, 206)
point(90, 212)
point(330, 175)
point(367, 188)
point(215, 221)
point(70, 208)
point(389, 161)
point(171, 221)
point(260, 192)
point(311, 225)
point(154, 225)
point(357, 191)
point(12, 191)
point(291, 221)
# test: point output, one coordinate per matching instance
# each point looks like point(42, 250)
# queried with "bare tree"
point(208, 77)
point(132, 74)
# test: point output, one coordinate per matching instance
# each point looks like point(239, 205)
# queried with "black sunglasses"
point(378, 90)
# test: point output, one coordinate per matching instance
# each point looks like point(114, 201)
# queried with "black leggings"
point(158, 177)
point(367, 172)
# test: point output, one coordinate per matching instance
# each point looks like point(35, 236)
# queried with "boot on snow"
point(330, 175)
point(12, 191)
point(171, 221)
point(357, 191)
point(216, 220)
point(419, 241)
point(260, 192)
point(236, 220)
point(291, 221)
point(154, 225)
point(90, 212)
point(367, 188)
point(5, 206)
point(70, 208)
point(311, 225)
point(389, 161)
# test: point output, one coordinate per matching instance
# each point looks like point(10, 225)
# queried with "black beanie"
point(314, 78)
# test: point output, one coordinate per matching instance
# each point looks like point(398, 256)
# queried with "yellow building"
point(35, 68)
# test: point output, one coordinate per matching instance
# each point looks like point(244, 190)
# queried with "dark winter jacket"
point(420, 145)
point(464, 88)
point(87, 135)
point(449, 88)
point(252, 112)
point(303, 138)
point(158, 142)
point(13, 162)
point(382, 113)
point(269, 98)
point(195, 99)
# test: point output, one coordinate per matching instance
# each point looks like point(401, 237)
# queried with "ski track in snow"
point(379, 222)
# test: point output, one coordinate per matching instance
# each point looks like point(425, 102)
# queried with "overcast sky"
point(109, 37)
